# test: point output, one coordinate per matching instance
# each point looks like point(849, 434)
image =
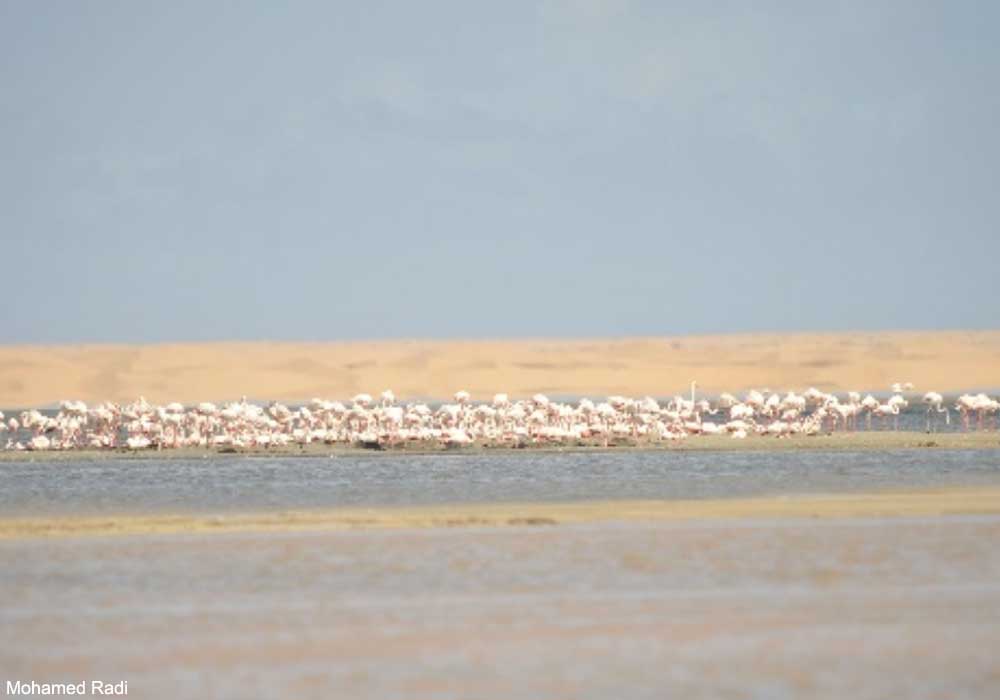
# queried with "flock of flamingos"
point(367, 422)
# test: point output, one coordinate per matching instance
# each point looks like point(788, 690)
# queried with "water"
point(744, 608)
point(230, 483)
point(861, 608)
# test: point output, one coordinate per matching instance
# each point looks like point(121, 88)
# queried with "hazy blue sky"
point(319, 170)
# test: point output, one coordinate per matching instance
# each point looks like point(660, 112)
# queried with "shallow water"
point(743, 608)
point(232, 483)
point(862, 608)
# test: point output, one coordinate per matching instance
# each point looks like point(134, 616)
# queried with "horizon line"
point(487, 339)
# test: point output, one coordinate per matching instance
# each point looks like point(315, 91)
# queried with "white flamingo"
point(242, 424)
point(934, 402)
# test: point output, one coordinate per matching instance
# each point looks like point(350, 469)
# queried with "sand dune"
point(943, 361)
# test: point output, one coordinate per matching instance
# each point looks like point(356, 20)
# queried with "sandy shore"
point(959, 501)
point(876, 440)
point(943, 361)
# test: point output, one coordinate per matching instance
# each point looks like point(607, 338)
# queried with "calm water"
point(249, 483)
point(743, 608)
point(861, 609)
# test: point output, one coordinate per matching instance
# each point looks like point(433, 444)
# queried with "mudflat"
point(946, 361)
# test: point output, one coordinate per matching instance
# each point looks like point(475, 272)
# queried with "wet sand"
point(786, 607)
point(950, 361)
point(853, 441)
point(956, 501)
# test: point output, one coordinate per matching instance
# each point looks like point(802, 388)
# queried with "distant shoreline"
point(840, 441)
point(924, 502)
point(942, 361)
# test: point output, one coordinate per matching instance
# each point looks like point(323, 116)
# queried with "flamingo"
point(869, 404)
point(244, 424)
point(934, 402)
point(886, 410)
point(39, 442)
point(965, 404)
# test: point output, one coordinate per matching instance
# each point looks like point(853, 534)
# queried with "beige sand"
point(905, 503)
point(942, 361)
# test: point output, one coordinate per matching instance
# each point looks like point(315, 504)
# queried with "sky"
point(190, 171)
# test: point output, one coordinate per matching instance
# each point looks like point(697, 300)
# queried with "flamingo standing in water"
point(901, 404)
point(934, 402)
point(869, 404)
point(886, 410)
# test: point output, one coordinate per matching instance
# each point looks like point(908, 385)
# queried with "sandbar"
point(926, 502)
point(839, 441)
